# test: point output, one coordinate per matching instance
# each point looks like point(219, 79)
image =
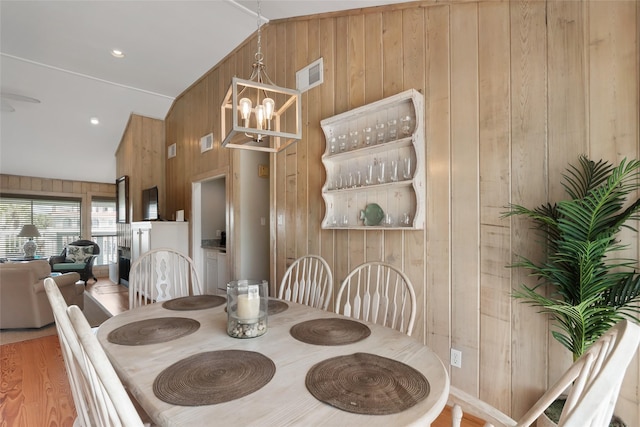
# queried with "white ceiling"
point(59, 53)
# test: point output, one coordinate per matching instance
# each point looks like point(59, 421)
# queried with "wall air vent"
point(310, 76)
point(206, 143)
point(171, 151)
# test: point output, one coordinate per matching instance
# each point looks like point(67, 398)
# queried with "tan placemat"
point(153, 331)
point(213, 377)
point(367, 384)
point(334, 331)
point(276, 306)
point(194, 302)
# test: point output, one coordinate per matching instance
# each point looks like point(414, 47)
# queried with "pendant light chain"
point(258, 55)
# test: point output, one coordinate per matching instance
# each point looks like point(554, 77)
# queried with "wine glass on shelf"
point(381, 172)
point(367, 135)
point(407, 172)
point(392, 129)
point(405, 125)
point(393, 170)
point(381, 133)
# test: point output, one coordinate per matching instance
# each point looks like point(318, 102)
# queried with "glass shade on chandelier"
point(258, 115)
point(30, 247)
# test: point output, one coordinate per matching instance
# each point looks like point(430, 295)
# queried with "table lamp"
point(30, 231)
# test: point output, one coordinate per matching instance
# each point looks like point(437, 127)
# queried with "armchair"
point(77, 257)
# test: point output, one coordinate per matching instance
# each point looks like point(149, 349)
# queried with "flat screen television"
point(150, 204)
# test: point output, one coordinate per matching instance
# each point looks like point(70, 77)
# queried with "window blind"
point(57, 220)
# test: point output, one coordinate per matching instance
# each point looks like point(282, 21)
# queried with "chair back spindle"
point(378, 292)
point(307, 281)
point(162, 274)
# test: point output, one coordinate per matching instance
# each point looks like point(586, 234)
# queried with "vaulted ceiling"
point(59, 53)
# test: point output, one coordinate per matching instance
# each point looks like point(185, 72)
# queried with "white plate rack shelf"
point(375, 156)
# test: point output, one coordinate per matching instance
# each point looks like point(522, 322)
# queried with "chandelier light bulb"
point(269, 106)
point(260, 114)
point(245, 109)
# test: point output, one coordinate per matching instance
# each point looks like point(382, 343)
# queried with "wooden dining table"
point(408, 380)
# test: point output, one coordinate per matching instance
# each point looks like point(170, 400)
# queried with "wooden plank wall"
point(141, 156)
point(513, 92)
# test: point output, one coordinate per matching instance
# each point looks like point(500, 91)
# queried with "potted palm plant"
point(583, 285)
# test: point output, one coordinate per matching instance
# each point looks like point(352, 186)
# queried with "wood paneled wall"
point(514, 91)
point(141, 156)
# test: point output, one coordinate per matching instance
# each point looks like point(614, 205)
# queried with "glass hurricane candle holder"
point(247, 307)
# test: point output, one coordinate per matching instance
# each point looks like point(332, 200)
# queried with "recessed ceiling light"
point(117, 53)
point(95, 121)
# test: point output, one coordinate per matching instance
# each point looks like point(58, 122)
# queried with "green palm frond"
point(581, 283)
point(625, 295)
point(580, 181)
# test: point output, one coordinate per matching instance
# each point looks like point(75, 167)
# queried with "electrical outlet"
point(456, 358)
point(218, 233)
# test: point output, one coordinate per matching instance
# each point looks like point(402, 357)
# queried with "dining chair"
point(308, 281)
point(593, 383)
point(109, 404)
point(162, 274)
point(378, 292)
point(70, 350)
point(99, 397)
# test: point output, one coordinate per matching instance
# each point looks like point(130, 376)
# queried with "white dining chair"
point(162, 274)
point(308, 281)
point(99, 396)
point(378, 292)
point(70, 347)
point(593, 383)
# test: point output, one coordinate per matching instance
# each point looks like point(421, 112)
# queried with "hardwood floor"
point(34, 390)
point(114, 298)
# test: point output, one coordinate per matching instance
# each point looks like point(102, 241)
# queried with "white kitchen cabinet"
point(374, 161)
point(215, 272)
point(148, 235)
point(223, 277)
point(210, 285)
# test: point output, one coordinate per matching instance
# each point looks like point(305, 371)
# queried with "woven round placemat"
point(213, 377)
point(367, 384)
point(276, 306)
point(194, 302)
point(153, 331)
point(334, 331)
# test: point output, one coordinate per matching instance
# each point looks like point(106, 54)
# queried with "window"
point(57, 220)
point(103, 229)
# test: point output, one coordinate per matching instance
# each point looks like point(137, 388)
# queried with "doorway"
point(210, 217)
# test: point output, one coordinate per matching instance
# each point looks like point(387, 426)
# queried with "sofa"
point(23, 300)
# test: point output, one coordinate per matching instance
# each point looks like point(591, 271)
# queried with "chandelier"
point(258, 115)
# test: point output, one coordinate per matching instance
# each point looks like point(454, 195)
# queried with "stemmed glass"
point(406, 168)
point(405, 125)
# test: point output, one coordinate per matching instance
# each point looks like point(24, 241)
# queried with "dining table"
point(310, 368)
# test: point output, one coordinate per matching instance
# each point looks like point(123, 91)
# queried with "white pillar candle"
point(249, 304)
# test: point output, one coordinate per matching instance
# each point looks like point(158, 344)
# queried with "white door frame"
point(196, 215)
